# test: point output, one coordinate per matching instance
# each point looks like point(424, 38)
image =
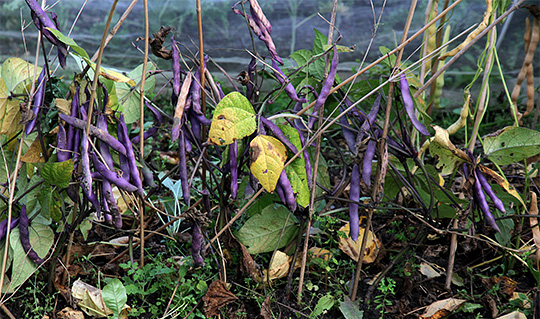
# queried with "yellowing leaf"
point(234, 118)
point(442, 308)
point(18, 75)
point(279, 267)
point(110, 74)
point(63, 106)
point(448, 155)
point(352, 249)
point(9, 111)
point(268, 157)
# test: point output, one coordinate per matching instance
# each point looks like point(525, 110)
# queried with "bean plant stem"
point(141, 122)
point(383, 155)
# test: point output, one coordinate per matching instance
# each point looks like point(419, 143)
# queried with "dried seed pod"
point(197, 244)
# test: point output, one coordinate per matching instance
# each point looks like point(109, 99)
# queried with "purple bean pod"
point(135, 178)
point(298, 123)
point(154, 129)
point(42, 21)
point(24, 232)
point(281, 194)
point(233, 155)
point(271, 46)
point(354, 197)
point(103, 148)
point(482, 203)
point(197, 244)
point(206, 201)
point(86, 178)
point(288, 192)
point(489, 191)
point(278, 133)
point(368, 162)
point(39, 98)
point(61, 144)
point(368, 122)
point(284, 80)
point(306, 159)
point(220, 92)
point(409, 105)
point(108, 218)
point(348, 135)
point(195, 90)
point(183, 169)
point(252, 23)
point(188, 139)
point(148, 176)
point(115, 216)
point(94, 131)
point(70, 132)
point(250, 86)
point(258, 16)
point(325, 90)
point(113, 177)
point(3, 227)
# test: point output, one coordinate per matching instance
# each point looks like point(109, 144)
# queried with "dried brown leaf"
point(442, 308)
point(266, 311)
point(217, 296)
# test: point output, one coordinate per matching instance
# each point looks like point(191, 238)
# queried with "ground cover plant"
point(289, 190)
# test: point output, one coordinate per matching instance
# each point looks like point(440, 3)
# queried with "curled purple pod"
point(158, 119)
point(489, 191)
point(284, 80)
point(113, 177)
point(367, 163)
point(288, 193)
point(482, 203)
point(197, 244)
point(354, 197)
point(252, 24)
point(182, 171)
point(409, 105)
point(4, 229)
point(278, 133)
point(86, 176)
point(135, 178)
point(24, 233)
point(94, 131)
point(348, 135)
point(327, 86)
point(39, 98)
point(368, 123)
point(306, 159)
point(61, 144)
point(233, 155)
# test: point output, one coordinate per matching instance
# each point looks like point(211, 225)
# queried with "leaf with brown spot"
point(234, 118)
point(352, 249)
point(268, 157)
point(217, 296)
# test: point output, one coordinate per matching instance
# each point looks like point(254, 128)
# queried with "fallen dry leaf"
point(217, 296)
point(69, 313)
point(352, 249)
point(442, 308)
point(322, 253)
point(279, 267)
point(91, 301)
point(534, 226)
point(513, 315)
point(429, 271)
point(266, 312)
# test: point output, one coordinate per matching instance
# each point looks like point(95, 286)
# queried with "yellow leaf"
point(352, 249)
point(34, 153)
point(63, 106)
point(110, 74)
point(268, 157)
point(9, 111)
point(448, 155)
point(234, 118)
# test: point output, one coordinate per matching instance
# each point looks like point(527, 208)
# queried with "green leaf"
point(23, 184)
point(234, 118)
point(391, 61)
point(58, 173)
point(41, 238)
point(18, 75)
point(324, 304)
point(69, 41)
point(301, 57)
point(8, 262)
point(85, 227)
point(261, 232)
point(320, 41)
point(351, 309)
point(511, 144)
point(129, 98)
point(51, 203)
point(296, 171)
point(114, 296)
point(316, 68)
